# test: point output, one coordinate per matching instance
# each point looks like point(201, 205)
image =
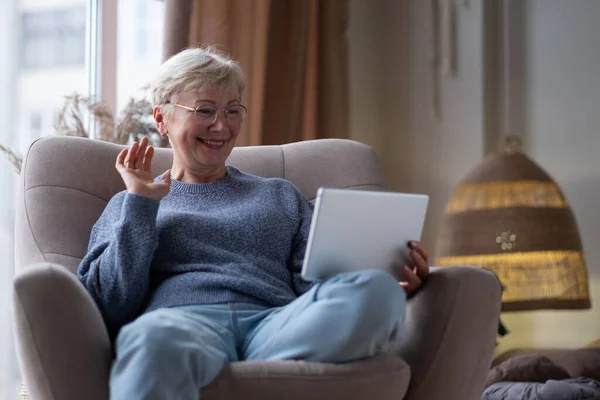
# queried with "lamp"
point(509, 216)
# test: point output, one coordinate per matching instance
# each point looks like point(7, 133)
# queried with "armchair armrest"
point(63, 346)
point(450, 334)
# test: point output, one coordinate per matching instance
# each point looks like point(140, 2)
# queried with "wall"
point(390, 86)
point(444, 148)
point(391, 89)
point(366, 54)
point(562, 133)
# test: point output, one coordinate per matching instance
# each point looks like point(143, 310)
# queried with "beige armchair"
point(63, 346)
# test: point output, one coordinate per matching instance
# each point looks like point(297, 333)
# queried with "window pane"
point(53, 37)
point(139, 42)
point(43, 49)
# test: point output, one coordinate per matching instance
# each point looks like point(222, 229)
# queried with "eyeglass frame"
point(195, 110)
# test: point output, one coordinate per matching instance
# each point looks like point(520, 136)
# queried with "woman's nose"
point(220, 122)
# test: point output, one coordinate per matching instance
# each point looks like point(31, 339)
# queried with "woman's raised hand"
point(135, 166)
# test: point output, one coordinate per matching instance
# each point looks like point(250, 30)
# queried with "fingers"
point(407, 290)
point(421, 265)
point(418, 247)
point(412, 281)
point(121, 159)
point(411, 276)
point(414, 277)
point(138, 156)
point(131, 155)
point(141, 154)
point(149, 153)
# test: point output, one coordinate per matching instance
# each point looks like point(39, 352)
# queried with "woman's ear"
point(159, 118)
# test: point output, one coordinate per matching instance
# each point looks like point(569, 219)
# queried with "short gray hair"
point(195, 69)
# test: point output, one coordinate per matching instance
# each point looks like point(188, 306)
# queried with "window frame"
point(102, 55)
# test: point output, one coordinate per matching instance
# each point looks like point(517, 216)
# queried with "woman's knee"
point(152, 332)
point(376, 291)
point(168, 338)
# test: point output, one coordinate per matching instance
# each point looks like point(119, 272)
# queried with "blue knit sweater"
point(241, 239)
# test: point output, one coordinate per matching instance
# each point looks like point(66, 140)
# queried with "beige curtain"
point(294, 54)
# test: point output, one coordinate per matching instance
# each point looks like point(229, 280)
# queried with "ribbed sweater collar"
point(202, 188)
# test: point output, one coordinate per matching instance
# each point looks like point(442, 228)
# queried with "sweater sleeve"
point(116, 269)
point(305, 210)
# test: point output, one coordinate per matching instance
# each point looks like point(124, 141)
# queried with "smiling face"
point(200, 145)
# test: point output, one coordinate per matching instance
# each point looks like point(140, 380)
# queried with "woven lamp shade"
point(509, 216)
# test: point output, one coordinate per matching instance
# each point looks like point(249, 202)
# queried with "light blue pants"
point(171, 353)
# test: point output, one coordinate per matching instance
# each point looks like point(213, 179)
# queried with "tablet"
point(356, 230)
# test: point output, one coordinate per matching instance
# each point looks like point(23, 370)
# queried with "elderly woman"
point(201, 266)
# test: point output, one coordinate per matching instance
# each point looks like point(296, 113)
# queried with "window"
point(49, 49)
point(53, 38)
point(35, 122)
point(139, 42)
point(141, 34)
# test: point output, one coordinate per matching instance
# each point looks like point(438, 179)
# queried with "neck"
point(207, 175)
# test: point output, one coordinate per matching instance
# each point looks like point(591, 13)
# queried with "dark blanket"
point(565, 389)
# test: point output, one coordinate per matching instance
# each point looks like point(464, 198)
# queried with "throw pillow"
point(526, 368)
point(579, 362)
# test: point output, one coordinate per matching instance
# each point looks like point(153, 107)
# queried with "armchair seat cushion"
point(382, 377)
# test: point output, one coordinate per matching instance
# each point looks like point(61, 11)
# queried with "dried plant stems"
point(133, 123)
point(15, 159)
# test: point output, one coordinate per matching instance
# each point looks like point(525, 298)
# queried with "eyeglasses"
point(207, 114)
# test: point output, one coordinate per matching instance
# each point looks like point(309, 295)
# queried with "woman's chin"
point(214, 158)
